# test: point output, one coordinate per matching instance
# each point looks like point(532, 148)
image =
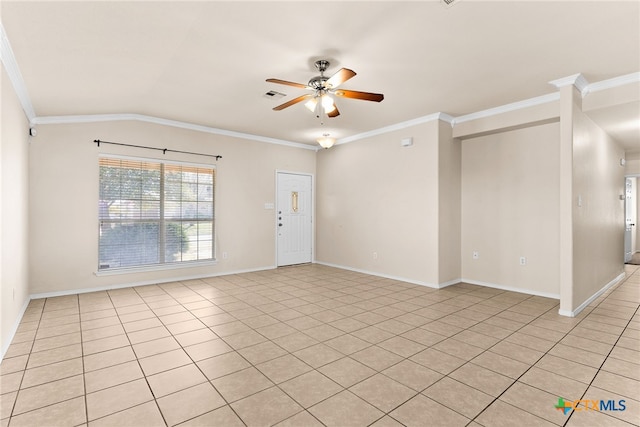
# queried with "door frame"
point(313, 212)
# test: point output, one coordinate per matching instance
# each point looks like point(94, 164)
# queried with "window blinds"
point(153, 212)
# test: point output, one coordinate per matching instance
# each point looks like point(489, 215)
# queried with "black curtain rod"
point(164, 150)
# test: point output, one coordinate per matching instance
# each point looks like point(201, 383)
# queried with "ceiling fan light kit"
point(326, 105)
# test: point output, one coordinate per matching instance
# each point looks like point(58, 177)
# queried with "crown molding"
point(581, 83)
point(398, 126)
point(577, 80)
point(13, 71)
point(447, 118)
point(93, 118)
point(531, 102)
point(614, 82)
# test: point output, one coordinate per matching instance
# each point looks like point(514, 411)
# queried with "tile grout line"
point(155, 400)
point(545, 353)
point(403, 358)
point(344, 333)
point(605, 359)
point(15, 402)
point(188, 355)
point(84, 378)
point(251, 364)
point(488, 350)
point(42, 311)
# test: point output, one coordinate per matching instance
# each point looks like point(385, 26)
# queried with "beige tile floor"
point(312, 345)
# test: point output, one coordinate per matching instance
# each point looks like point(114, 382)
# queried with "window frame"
point(162, 220)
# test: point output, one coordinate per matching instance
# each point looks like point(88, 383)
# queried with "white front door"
point(293, 218)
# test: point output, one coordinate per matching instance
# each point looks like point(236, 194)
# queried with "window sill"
point(159, 267)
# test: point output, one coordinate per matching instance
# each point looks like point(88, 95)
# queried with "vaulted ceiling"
point(205, 62)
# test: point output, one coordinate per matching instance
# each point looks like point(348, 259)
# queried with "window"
point(153, 213)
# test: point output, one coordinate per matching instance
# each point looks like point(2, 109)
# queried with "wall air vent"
point(272, 94)
point(449, 3)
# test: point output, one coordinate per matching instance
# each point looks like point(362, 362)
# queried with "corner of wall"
point(449, 205)
point(14, 216)
point(592, 213)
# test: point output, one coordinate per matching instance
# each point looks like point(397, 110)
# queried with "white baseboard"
point(592, 298)
point(392, 277)
point(512, 289)
point(449, 283)
point(144, 283)
point(12, 334)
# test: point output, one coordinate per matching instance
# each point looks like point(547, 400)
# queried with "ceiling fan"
point(320, 101)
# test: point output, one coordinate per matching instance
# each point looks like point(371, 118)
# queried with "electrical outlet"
point(523, 260)
point(476, 255)
point(375, 255)
point(225, 255)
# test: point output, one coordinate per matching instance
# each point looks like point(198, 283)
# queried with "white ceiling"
point(205, 62)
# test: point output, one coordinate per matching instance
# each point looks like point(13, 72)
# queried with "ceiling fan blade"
point(367, 96)
point(341, 76)
point(334, 113)
point(292, 102)
point(284, 82)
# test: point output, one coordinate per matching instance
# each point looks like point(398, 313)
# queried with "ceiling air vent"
point(449, 3)
point(272, 94)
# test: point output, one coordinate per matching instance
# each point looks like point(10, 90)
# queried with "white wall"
point(598, 212)
point(632, 163)
point(64, 199)
point(373, 195)
point(14, 230)
point(510, 208)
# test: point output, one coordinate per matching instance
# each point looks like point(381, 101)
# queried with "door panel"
point(294, 218)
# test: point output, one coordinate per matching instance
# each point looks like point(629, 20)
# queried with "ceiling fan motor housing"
point(318, 82)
